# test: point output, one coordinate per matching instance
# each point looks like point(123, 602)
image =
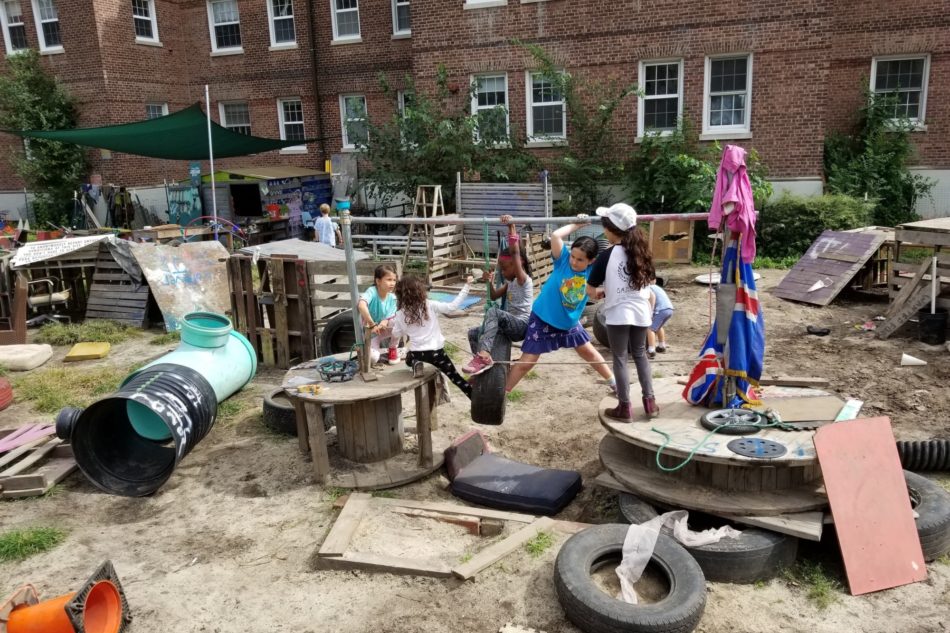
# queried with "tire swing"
point(595, 611)
point(600, 326)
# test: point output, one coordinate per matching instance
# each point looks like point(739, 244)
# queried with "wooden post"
point(318, 441)
point(422, 423)
point(366, 359)
point(303, 440)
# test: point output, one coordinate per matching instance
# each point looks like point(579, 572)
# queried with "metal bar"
point(351, 273)
point(536, 220)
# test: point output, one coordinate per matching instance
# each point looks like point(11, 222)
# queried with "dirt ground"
point(227, 544)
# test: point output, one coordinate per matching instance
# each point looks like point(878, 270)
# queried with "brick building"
point(774, 75)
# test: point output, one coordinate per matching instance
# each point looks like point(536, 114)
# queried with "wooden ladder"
point(428, 204)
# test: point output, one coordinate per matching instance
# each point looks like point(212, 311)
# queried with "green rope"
point(774, 422)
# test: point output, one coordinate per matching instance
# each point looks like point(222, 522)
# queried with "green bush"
point(789, 225)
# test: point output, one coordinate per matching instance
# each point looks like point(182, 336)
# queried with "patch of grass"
point(384, 494)
point(166, 339)
point(21, 544)
point(943, 482)
point(464, 558)
point(780, 263)
point(231, 408)
point(541, 542)
point(453, 351)
point(92, 331)
point(52, 389)
point(532, 375)
point(760, 584)
point(515, 395)
point(657, 374)
point(820, 587)
point(333, 493)
point(915, 255)
point(3, 370)
point(943, 560)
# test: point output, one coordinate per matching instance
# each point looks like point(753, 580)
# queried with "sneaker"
point(651, 353)
point(661, 349)
point(477, 365)
point(612, 389)
point(623, 411)
point(650, 406)
point(417, 369)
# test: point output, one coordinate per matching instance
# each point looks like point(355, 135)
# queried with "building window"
point(547, 116)
point(145, 20)
point(346, 19)
point(661, 104)
point(47, 25)
point(405, 102)
point(14, 30)
point(225, 20)
point(728, 101)
point(490, 107)
point(906, 79)
point(401, 25)
point(353, 120)
point(281, 15)
point(155, 110)
point(236, 117)
point(290, 114)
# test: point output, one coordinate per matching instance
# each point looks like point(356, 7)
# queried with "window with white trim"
point(14, 30)
point(290, 114)
point(145, 20)
point(661, 102)
point(47, 25)
point(905, 78)
point(225, 21)
point(406, 99)
point(236, 116)
point(155, 110)
point(282, 29)
point(353, 120)
point(401, 24)
point(547, 115)
point(346, 19)
point(727, 105)
point(490, 106)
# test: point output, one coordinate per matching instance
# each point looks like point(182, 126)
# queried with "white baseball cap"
point(623, 216)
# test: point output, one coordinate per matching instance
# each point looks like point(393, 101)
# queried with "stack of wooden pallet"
point(914, 295)
point(32, 460)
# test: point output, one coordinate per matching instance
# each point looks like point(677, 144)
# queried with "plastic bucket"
point(932, 328)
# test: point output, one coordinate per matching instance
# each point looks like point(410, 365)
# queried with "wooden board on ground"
point(909, 308)
point(493, 553)
point(806, 525)
point(114, 295)
point(187, 278)
point(652, 484)
point(34, 471)
point(834, 258)
point(872, 512)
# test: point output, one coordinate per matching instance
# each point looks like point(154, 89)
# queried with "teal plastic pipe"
point(211, 347)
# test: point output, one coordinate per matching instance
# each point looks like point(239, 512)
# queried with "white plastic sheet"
point(641, 540)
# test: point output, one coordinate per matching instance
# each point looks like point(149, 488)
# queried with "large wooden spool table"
point(370, 453)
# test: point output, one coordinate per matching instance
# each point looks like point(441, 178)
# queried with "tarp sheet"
point(182, 135)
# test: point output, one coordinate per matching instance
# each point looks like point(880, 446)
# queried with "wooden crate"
point(31, 470)
point(671, 241)
point(114, 295)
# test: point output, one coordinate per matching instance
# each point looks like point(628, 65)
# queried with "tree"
point(32, 99)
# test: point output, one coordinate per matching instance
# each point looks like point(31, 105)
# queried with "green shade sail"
point(179, 136)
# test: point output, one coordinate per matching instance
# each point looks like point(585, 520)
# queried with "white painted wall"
point(937, 205)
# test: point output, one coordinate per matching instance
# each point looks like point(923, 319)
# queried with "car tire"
point(338, 335)
point(488, 388)
point(932, 504)
point(281, 417)
point(600, 326)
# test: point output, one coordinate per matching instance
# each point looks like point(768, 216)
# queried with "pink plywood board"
point(870, 504)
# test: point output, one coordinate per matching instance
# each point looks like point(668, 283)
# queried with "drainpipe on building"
point(316, 89)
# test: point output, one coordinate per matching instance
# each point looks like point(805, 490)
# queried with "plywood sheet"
point(187, 278)
point(834, 259)
point(870, 505)
point(815, 408)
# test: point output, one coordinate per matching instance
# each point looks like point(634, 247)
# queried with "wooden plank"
point(250, 303)
point(37, 454)
point(492, 554)
point(423, 429)
point(907, 289)
point(923, 238)
point(38, 482)
point(303, 434)
point(318, 441)
point(11, 456)
point(383, 563)
point(454, 508)
point(345, 526)
point(467, 521)
point(12, 438)
point(305, 312)
point(280, 313)
point(803, 409)
point(910, 307)
point(870, 505)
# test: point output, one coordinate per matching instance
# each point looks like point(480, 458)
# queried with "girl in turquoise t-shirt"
point(555, 316)
point(377, 306)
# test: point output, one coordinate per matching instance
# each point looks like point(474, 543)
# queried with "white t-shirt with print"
point(624, 305)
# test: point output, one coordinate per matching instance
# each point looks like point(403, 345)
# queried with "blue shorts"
point(659, 318)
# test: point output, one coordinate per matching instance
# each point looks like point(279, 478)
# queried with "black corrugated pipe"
point(925, 455)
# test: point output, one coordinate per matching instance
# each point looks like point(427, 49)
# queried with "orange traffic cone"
point(98, 607)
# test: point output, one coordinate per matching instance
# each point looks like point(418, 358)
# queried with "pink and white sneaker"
point(477, 365)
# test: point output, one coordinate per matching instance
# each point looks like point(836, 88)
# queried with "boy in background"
point(326, 230)
point(662, 311)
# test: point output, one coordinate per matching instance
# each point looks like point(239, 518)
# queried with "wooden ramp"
point(829, 266)
point(113, 294)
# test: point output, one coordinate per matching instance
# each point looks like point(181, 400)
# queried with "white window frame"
point(642, 99)
point(58, 48)
point(727, 131)
point(271, 23)
point(5, 22)
point(397, 32)
point(223, 118)
point(163, 105)
point(346, 38)
point(920, 123)
point(546, 139)
point(347, 145)
point(484, 4)
point(295, 149)
point(153, 18)
point(401, 102)
point(473, 79)
point(230, 50)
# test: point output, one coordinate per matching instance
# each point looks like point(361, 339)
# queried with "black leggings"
point(438, 359)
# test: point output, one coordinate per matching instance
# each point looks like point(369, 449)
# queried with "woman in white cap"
point(622, 276)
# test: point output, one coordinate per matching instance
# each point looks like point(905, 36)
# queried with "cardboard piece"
point(87, 351)
point(805, 409)
point(870, 505)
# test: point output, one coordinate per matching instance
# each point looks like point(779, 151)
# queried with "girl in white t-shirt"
point(625, 271)
point(416, 318)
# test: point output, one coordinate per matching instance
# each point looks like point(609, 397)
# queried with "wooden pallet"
point(32, 469)
point(113, 294)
